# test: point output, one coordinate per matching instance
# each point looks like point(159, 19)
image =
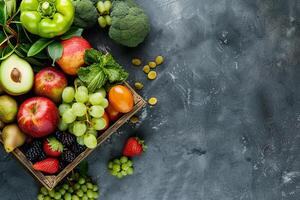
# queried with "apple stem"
point(34, 108)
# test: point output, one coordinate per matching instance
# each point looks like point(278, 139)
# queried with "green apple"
point(16, 75)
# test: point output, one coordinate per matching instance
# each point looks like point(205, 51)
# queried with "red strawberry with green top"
point(49, 166)
point(134, 147)
point(53, 147)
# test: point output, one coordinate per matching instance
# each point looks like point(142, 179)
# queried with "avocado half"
point(16, 75)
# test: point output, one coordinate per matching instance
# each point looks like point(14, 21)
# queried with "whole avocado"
point(130, 24)
point(86, 14)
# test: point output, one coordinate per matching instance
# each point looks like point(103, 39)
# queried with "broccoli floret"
point(86, 14)
point(130, 24)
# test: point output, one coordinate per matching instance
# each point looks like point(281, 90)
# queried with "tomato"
point(106, 118)
point(121, 98)
point(113, 115)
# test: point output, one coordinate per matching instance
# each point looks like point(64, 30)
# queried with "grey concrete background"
point(227, 122)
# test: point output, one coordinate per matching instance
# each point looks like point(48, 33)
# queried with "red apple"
point(73, 54)
point(50, 83)
point(38, 117)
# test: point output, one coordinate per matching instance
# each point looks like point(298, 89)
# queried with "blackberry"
point(68, 156)
point(37, 143)
point(32, 154)
point(66, 139)
point(77, 148)
point(58, 134)
point(25, 147)
point(34, 151)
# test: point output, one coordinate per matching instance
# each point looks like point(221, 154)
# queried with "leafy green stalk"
point(93, 76)
point(102, 69)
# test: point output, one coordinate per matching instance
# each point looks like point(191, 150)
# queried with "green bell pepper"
point(47, 18)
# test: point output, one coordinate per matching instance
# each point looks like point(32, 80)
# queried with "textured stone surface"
point(227, 122)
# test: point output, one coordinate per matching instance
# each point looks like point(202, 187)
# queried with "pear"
point(12, 137)
point(8, 109)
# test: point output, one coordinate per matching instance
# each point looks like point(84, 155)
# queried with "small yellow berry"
point(146, 69)
point(152, 64)
point(136, 61)
point(152, 75)
point(134, 119)
point(159, 60)
point(138, 85)
point(152, 101)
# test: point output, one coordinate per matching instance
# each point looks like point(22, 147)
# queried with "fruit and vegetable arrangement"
point(57, 93)
point(61, 115)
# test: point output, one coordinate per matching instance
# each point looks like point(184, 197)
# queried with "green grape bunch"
point(76, 187)
point(120, 167)
point(81, 113)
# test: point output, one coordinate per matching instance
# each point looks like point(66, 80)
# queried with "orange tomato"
point(121, 98)
point(106, 118)
point(113, 115)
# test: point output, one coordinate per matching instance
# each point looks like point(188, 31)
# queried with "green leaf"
point(83, 168)
point(93, 77)
point(55, 50)
point(92, 56)
point(114, 71)
point(6, 52)
point(11, 7)
point(38, 46)
point(3, 14)
point(25, 48)
point(115, 74)
point(73, 31)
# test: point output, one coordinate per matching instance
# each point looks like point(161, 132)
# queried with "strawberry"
point(134, 147)
point(49, 165)
point(52, 147)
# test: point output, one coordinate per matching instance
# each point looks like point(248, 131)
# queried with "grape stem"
point(87, 118)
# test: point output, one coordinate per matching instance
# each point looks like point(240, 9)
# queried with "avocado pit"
point(16, 75)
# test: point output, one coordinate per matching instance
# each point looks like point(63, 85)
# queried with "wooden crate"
point(50, 181)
